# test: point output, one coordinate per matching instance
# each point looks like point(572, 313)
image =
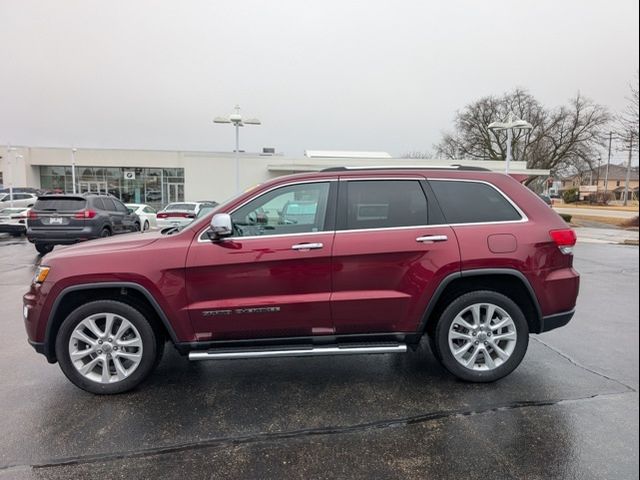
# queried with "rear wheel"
point(105, 233)
point(146, 226)
point(482, 336)
point(107, 347)
point(136, 227)
point(43, 248)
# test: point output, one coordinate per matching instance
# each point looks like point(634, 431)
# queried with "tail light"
point(82, 214)
point(565, 239)
point(32, 215)
point(176, 214)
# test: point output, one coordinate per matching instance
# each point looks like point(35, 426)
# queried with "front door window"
point(291, 209)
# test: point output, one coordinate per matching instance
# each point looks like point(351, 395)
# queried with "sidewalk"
point(607, 235)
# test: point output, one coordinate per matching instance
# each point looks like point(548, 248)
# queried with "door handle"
point(307, 246)
point(432, 238)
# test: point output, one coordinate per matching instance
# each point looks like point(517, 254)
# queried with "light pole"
point(512, 123)
point(73, 169)
point(237, 121)
point(10, 165)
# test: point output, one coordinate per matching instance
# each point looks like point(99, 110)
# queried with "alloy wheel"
point(482, 337)
point(105, 348)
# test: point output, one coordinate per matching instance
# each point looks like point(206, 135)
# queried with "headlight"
point(41, 274)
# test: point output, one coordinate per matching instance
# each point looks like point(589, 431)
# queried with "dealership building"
point(159, 177)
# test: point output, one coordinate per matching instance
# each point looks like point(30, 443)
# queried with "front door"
point(175, 192)
point(93, 187)
point(272, 278)
point(390, 252)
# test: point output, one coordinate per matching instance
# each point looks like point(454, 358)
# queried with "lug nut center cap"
point(106, 347)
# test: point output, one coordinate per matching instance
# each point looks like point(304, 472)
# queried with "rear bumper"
point(7, 228)
point(557, 320)
point(61, 237)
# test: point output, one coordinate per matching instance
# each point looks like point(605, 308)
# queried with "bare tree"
point(561, 137)
point(628, 120)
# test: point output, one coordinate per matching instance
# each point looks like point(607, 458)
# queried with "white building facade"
point(160, 177)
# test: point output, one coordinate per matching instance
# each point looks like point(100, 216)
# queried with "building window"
point(153, 186)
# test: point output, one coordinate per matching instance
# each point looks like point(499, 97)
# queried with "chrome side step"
point(295, 352)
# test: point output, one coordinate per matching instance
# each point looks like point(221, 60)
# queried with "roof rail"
point(408, 167)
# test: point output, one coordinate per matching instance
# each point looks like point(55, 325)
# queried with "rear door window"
point(98, 203)
point(385, 204)
point(109, 205)
point(473, 202)
point(60, 204)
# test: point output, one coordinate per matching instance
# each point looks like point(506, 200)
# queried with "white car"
point(145, 213)
point(179, 214)
point(23, 200)
point(14, 220)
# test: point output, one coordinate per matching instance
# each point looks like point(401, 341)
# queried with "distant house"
point(595, 178)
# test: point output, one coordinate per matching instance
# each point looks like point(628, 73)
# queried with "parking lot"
point(569, 411)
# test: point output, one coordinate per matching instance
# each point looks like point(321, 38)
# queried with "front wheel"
point(481, 336)
point(107, 347)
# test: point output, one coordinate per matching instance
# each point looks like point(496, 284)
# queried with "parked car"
point(468, 258)
point(179, 214)
point(13, 221)
point(25, 200)
point(146, 215)
point(67, 219)
point(35, 191)
point(546, 199)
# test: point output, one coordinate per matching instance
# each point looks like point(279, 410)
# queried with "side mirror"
point(221, 226)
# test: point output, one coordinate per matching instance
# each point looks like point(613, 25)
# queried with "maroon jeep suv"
point(339, 262)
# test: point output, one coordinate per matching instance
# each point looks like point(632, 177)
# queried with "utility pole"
point(606, 175)
point(73, 169)
point(626, 183)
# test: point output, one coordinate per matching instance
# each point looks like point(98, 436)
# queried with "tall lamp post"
point(237, 121)
point(512, 123)
point(73, 168)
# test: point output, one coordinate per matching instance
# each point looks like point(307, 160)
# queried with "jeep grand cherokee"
point(380, 258)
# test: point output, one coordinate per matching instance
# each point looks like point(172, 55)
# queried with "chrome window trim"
point(523, 216)
point(369, 179)
point(324, 180)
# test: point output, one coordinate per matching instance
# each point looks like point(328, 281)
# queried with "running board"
point(295, 352)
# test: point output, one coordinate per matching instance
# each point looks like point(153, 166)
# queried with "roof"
point(344, 154)
point(616, 172)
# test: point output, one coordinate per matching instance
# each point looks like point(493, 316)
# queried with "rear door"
point(115, 216)
point(272, 278)
point(391, 251)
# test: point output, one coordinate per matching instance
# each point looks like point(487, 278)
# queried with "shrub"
point(566, 217)
point(570, 196)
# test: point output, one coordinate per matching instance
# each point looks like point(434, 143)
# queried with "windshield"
point(199, 222)
point(181, 206)
point(60, 204)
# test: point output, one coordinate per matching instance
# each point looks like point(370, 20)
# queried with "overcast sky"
point(331, 75)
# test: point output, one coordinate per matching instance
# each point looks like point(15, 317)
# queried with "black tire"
point(440, 341)
point(136, 227)
point(43, 248)
point(146, 226)
point(105, 233)
point(152, 347)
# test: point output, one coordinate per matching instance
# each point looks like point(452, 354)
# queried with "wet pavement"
point(569, 411)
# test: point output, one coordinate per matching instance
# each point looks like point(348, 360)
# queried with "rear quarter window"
point(473, 202)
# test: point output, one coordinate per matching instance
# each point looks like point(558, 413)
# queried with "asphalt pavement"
point(569, 411)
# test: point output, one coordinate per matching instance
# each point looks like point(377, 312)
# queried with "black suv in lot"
point(67, 219)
